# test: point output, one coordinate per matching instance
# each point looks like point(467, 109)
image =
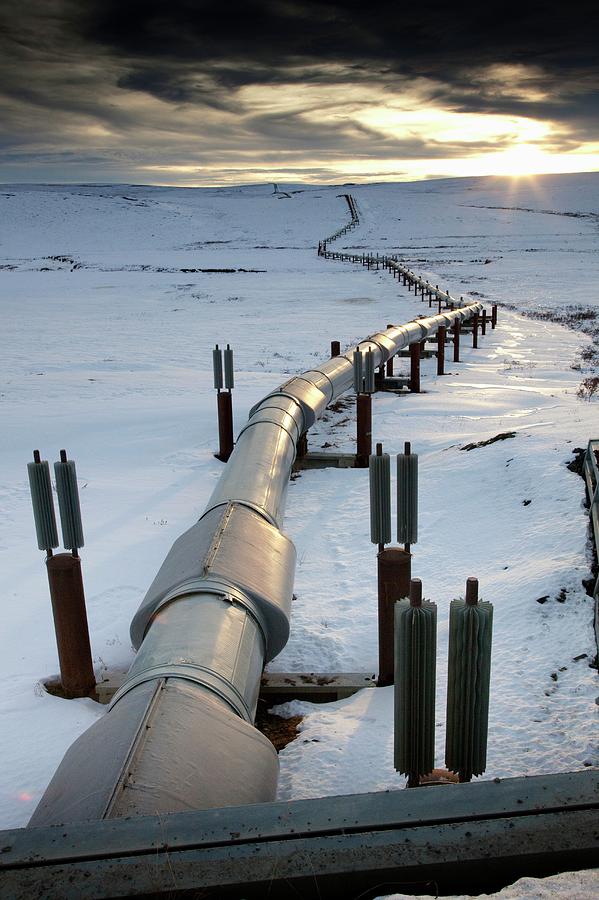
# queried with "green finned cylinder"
point(358, 372)
point(68, 504)
point(407, 498)
point(369, 372)
point(229, 377)
point(415, 669)
point(468, 679)
point(43, 504)
point(217, 368)
point(380, 498)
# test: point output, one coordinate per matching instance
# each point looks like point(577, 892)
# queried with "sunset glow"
point(271, 92)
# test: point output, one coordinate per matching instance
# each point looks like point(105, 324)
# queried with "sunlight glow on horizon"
point(396, 129)
point(520, 160)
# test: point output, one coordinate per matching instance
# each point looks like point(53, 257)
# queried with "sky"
point(215, 93)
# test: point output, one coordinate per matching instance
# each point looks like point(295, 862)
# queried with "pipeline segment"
point(178, 735)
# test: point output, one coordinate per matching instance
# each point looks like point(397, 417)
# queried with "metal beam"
point(467, 837)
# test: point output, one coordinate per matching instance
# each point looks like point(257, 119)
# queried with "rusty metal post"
point(394, 571)
point(415, 368)
point(494, 315)
point(475, 331)
point(70, 624)
point(225, 425)
point(483, 323)
point(335, 348)
point(456, 340)
point(441, 350)
point(364, 429)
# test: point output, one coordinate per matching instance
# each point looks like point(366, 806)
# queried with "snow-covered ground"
point(108, 324)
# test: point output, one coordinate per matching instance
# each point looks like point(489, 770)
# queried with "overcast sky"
point(206, 93)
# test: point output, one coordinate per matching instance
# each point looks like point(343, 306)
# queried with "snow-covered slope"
point(109, 315)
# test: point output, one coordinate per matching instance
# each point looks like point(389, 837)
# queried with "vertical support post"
point(335, 348)
point(494, 315)
point(483, 323)
point(415, 368)
point(457, 327)
point(441, 350)
point(471, 591)
point(225, 425)
point(302, 446)
point(475, 331)
point(364, 429)
point(70, 623)
point(389, 369)
point(394, 571)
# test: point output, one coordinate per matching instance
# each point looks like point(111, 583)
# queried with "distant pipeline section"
point(179, 733)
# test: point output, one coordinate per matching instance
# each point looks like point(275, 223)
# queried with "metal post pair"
point(64, 570)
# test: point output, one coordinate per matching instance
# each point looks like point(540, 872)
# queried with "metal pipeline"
point(178, 734)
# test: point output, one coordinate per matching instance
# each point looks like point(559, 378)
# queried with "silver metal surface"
point(234, 547)
point(258, 470)
point(166, 746)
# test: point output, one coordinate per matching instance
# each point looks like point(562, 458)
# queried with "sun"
point(523, 160)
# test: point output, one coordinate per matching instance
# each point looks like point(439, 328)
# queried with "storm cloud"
point(106, 90)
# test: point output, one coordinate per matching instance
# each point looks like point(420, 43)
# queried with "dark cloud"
point(427, 38)
point(135, 83)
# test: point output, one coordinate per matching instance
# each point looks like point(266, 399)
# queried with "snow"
point(107, 353)
point(573, 885)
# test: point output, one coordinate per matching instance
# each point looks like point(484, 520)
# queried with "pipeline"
point(178, 734)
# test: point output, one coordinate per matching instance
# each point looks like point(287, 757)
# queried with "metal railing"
point(591, 477)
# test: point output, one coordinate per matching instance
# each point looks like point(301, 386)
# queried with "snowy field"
point(108, 323)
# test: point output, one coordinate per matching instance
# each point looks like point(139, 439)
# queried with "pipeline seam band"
point(259, 510)
point(313, 386)
point(250, 424)
point(324, 375)
point(385, 352)
point(232, 697)
point(133, 745)
point(216, 537)
point(216, 588)
point(277, 393)
point(259, 410)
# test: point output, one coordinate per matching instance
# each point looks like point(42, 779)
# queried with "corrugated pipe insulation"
point(179, 733)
